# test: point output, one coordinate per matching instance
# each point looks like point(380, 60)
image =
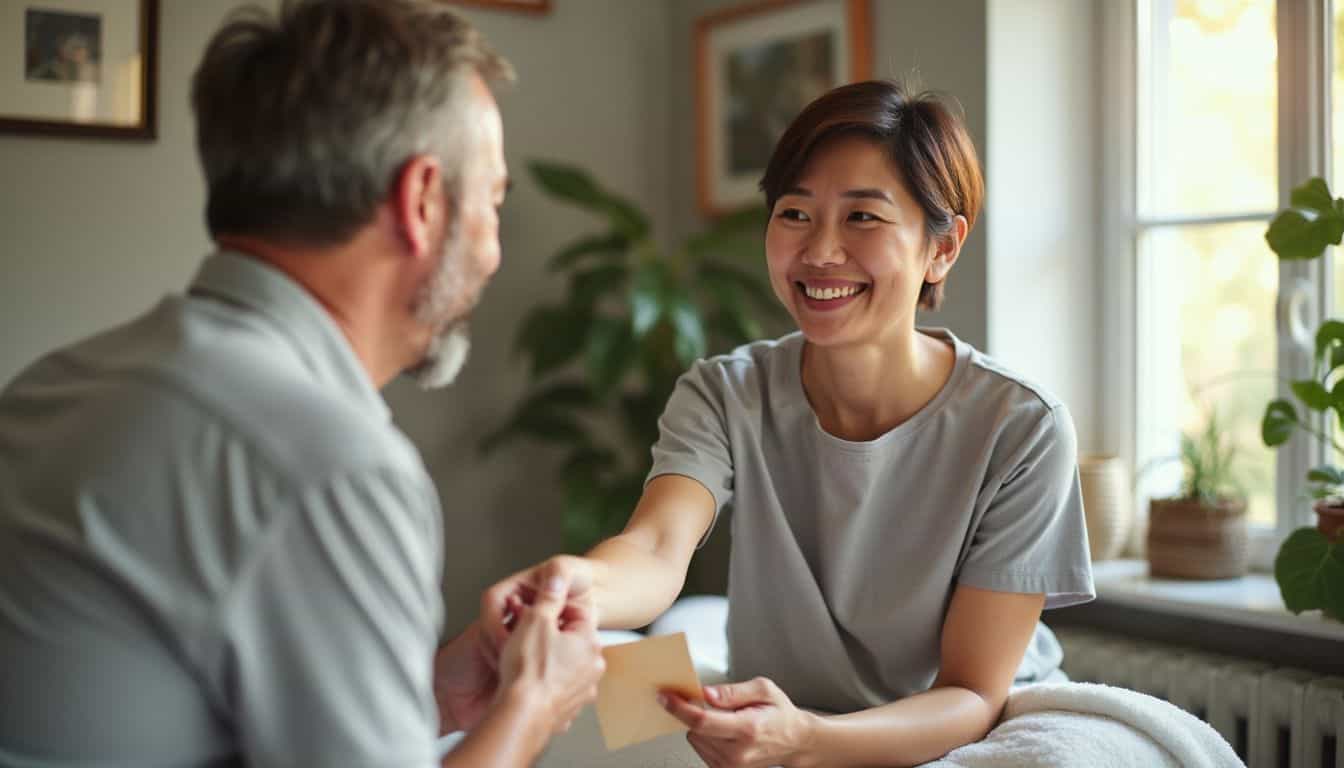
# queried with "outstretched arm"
point(627, 580)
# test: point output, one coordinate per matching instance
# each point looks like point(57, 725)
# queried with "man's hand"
point(554, 662)
point(573, 576)
point(465, 680)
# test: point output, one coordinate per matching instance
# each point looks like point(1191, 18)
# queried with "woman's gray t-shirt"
point(845, 554)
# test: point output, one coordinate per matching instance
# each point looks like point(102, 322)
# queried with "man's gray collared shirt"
point(215, 547)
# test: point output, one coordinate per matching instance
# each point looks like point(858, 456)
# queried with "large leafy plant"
point(1309, 567)
point(604, 359)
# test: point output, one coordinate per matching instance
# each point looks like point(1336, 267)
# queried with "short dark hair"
point(926, 140)
point(303, 119)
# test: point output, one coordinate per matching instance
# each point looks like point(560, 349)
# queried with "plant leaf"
point(1302, 563)
point(646, 297)
point(604, 246)
point(588, 460)
point(1326, 473)
point(730, 278)
point(1278, 423)
point(589, 285)
point(552, 336)
point(1329, 337)
point(576, 186)
point(1313, 194)
point(612, 351)
point(1313, 222)
point(690, 341)
point(641, 412)
point(737, 237)
point(1312, 394)
point(581, 519)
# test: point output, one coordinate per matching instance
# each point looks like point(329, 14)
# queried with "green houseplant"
point(1309, 567)
point(1201, 533)
point(605, 359)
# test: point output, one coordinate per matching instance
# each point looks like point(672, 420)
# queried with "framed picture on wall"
point(78, 67)
point(757, 66)
point(525, 6)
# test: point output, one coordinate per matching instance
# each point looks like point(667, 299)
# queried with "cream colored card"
point(627, 696)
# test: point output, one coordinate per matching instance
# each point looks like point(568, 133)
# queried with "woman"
point(904, 508)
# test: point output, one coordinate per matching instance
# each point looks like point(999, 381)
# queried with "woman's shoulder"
point(751, 370)
point(1002, 393)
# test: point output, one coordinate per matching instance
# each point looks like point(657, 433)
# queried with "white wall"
point(1043, 202)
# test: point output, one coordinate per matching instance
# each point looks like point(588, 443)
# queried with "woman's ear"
point(418, 204)
point(946, 251)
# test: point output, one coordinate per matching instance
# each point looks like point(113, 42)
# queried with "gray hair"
point(304, 119)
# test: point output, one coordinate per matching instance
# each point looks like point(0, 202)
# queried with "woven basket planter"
point(1191, 540)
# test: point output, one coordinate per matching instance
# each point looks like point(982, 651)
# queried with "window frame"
point(1304, 39)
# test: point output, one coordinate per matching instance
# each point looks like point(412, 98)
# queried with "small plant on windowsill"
point(1309, 567)
point(1201, 534)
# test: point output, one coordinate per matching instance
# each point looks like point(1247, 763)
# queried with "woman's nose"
point(824, 249)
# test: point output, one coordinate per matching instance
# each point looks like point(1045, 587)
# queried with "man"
point(215, 548)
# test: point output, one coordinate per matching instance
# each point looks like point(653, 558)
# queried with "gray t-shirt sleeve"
point(331, 630)
point(693, 436)
point(1032, 536)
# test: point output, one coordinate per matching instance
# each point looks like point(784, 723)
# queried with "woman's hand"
point(571, 575)
point(748, 725)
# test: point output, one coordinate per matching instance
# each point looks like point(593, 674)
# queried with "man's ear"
point(418, 204)
point(948, 248)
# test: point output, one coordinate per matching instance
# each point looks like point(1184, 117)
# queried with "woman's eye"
point(792, 214)
point(862, 216)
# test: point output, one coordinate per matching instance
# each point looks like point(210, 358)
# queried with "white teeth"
point(827, 294)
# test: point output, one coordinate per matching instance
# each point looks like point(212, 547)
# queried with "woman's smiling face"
point(846, 246)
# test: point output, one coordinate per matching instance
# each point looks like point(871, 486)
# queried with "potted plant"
point(605, 359)
point(1201, 534)
point(1309, 566)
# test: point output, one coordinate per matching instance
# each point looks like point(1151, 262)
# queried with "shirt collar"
point(312, 333)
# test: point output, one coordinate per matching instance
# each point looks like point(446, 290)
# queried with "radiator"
point(1275, 717)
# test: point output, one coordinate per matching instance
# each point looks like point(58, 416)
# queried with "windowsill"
point(1251, 601)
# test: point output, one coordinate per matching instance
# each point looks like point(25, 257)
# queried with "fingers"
point(758, 690)
point(495, 608)
point(548, 603)
point(706, 722)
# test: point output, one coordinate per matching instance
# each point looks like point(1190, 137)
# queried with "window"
point(1229, 102)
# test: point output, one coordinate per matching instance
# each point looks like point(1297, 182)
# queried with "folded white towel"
point(1075, 724)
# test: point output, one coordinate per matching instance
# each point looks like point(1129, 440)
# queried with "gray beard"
point(447, 351)
point(444, 359)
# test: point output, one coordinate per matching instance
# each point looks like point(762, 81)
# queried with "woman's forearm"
point(633, 583)
point(911, 731)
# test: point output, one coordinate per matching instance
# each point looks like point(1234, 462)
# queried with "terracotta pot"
point(1190, 540)
point(1330, 517)
point(1106, 505)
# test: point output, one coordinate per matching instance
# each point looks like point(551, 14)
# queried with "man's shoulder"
point(188, 375)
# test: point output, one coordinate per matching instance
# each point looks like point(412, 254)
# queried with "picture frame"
point(521, 6)
point(79, 68)
point(756, 67)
